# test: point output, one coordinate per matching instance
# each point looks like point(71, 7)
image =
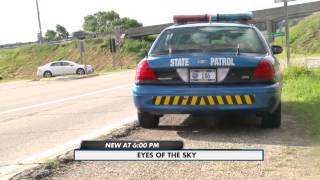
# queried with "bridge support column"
point(270, 30)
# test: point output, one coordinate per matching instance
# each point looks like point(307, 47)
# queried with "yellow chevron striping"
point(248, 99)
point(176, 100)
point(166, 100)
point(210, 99)
point(238, 99)
point(220, 100)
point(229, 99)
point(194, 100)
point(185, 100)
point(158, 100)
point(202, 102)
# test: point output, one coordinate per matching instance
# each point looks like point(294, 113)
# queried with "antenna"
point(238, 49)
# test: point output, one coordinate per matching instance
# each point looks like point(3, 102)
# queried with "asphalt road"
point(38, 116)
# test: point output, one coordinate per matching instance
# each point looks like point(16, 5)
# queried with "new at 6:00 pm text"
point(131, 145)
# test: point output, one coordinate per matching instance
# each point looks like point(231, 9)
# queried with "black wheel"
point(148, 121)
point(47, 74)
point(80, 71)
point(272, 120)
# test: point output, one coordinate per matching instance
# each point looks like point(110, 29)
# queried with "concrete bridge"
point(265, 19)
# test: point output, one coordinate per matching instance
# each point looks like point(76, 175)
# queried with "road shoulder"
point(289, 152)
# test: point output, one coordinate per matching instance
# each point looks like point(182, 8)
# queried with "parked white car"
point(58, 68)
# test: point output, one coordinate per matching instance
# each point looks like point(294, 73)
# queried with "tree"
point(100, 21)
point(110, 15)
point(50, 35)
point(126, 23)
point(62, 32)
point(106, 21)
point(90, 23)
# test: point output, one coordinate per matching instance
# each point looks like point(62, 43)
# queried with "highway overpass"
point(266, 18)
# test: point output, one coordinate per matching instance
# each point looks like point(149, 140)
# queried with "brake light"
point(144, 72)
point(264, 71)
point(190, 18)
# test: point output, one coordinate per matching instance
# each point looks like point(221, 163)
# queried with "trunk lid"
point(228, 68)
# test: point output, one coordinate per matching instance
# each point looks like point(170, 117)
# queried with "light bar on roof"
point(231, 17)
point(190, 18)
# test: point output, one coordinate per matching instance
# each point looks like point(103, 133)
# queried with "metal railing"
point(307, 62)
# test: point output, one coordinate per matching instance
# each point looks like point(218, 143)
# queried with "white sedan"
point(57, 68)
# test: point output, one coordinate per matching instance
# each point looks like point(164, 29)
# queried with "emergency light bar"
point(180, 19)
point(231, 17)
point(190, 18)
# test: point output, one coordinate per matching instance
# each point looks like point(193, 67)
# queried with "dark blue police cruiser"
point(209, 64)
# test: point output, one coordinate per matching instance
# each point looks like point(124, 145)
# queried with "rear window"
point(56, 64)
point(208, 39)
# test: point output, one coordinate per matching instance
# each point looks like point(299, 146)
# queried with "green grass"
point(52, 164)
point(304, 39)
point(304, 36)
point(301, 96)
point(138, 47)
point(22, 62)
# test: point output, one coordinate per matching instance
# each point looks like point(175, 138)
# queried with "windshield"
point(208, 39)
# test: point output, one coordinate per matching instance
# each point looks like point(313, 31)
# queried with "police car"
point(207, 64)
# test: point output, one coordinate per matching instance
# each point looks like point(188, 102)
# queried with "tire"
point(47, 74)
point(272, 120)
point(80, 71)
point(148, 121)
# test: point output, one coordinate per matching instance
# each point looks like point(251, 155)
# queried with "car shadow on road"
point(242, 129)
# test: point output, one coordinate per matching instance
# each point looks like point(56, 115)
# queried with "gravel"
point(289, 152)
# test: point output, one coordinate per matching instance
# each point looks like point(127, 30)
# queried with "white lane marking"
point(11, 170)
point(63, 99)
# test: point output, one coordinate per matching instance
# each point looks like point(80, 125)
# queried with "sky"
point(18, 18)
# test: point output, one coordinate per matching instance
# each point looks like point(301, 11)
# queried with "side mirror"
point(146, 53)
point(276, 49)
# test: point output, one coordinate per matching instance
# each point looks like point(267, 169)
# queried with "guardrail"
point(312, 63)
point(75, 36)
point(15, 45)
point(308, 62)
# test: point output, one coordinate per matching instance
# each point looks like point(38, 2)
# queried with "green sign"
point(277, 34)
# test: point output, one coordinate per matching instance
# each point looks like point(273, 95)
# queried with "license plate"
point(203, 75)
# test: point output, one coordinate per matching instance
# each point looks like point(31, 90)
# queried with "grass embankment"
point(301, 97)
point(22, 62)
point(304, 38)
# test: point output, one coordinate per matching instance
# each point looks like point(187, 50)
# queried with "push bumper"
point(156, 99)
